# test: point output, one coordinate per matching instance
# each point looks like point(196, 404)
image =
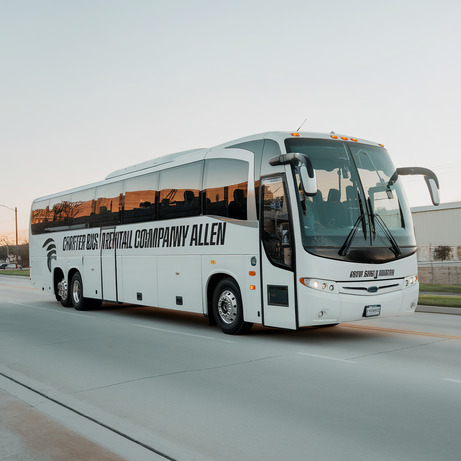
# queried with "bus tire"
point(76, 293)
point(228, 308)
point(62, 293)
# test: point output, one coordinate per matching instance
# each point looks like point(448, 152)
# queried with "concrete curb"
point(30, 435)
point(439, 310)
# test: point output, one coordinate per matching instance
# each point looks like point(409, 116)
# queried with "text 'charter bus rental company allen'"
point(281, 229)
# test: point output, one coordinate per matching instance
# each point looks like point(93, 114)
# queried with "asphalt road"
point(385, 389)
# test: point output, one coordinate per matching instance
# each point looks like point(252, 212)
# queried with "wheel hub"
point(76, 292)
point(227, 307)
point(62, 289)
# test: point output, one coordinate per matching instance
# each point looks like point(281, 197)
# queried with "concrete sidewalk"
point(27, 434)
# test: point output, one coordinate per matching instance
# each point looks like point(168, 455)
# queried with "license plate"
point(372, 311)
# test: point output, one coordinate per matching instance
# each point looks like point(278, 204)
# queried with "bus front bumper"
point(323, 308)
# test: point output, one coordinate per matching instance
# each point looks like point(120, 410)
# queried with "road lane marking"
point(326, 357)
point(133, 324)
point(452, 380)
point(16, 286)
point(181, 333)
point(52, 310)
point(404, 332)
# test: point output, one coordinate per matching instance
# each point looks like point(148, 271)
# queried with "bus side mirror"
point(430, 177)
point(308, 178)
point(305, 168)
point(433, 190)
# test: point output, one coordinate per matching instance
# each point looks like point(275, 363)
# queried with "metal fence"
point(439, 264)
point(442, 254)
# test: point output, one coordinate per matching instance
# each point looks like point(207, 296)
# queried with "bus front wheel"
point(228, 308)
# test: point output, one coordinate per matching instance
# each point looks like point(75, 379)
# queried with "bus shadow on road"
point(154, 314)
point(312, 334)
point(155, 317)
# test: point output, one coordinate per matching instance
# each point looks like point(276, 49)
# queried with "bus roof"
point(199, 154)
point(195, 154)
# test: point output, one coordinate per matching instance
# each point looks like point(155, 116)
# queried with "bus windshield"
point(358, 212)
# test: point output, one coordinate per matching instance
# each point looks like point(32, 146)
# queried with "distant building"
point(438, 236)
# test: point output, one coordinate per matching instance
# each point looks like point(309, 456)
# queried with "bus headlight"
point(319, 285)
point(410, 281)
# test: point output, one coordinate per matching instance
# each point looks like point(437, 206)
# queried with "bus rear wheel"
point(228, 308)
point(76, 292)
point(79, 302)
point(62, 293)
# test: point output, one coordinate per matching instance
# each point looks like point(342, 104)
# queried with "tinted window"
point(139, 199)
point(71, 211)
point(39, 216)
point(225, 186)
point(84, 206)
point(60, 213)
point(180, 191)
point(276, 221)
point(107, 209)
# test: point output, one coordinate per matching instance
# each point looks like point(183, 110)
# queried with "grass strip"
point(443, 301)
point(425, 287)
point(24, 273)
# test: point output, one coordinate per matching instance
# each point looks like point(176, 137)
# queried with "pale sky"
point(91, 86)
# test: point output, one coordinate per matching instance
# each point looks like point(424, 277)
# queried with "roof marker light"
point(294, 134)
point(344, 138)
point(353, 139)
point(333, 136)
point(382, 145)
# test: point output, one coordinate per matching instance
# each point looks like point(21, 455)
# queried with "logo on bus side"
point(160, 237)
point(51, 251)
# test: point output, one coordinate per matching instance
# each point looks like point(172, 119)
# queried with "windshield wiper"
point(372, 221)
point(395, 247)
point(376, 218)
point(347, 243)
point(362, 216)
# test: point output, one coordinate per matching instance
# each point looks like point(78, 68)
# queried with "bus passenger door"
point(108, 265)
point(278, 277)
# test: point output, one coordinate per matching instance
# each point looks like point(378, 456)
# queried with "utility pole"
point(16, 225)
point(15, 209)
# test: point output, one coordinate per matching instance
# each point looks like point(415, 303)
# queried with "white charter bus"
point(281, 229)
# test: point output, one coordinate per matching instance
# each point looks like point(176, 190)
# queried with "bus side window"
point(180, 191)
point(139, 204)
point(108, 203)
point(61, 213)
point(39, 217)
point(276, 218)
point(225, 185)
point(85, 205)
